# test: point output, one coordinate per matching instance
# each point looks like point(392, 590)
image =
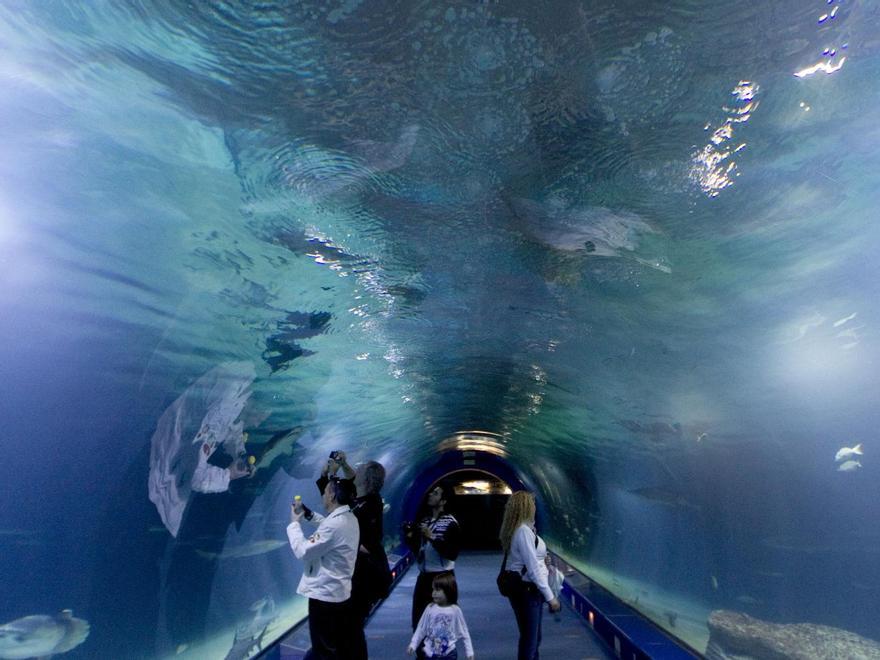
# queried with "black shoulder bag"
point(511, 582)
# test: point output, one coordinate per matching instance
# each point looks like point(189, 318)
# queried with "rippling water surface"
point(636, 240)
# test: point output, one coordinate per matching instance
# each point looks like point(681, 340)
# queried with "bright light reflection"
point(825, 67)
point(480, 487)
point(819, 361)
point(814, 352)
point(712, 167)
point(484, 441)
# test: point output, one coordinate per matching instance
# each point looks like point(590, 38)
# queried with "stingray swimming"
point(590, 230)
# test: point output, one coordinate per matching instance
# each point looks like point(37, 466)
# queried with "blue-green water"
point(625, 237)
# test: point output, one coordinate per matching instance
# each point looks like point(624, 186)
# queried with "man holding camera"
point(372, 576)
point(329, 556)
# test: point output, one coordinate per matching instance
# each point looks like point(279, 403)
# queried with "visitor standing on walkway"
point(526, 553)
point(372, 576)
point(436, 541)
point(329, 557)
point(442, 624)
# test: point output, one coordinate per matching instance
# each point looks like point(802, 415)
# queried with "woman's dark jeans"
point(528, 607)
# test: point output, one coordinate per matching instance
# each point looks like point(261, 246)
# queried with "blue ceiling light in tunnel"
point(627, 250)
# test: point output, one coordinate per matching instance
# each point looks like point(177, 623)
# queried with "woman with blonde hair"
point(525, 553)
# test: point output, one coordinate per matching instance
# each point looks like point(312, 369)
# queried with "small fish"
point(850, 333)
point(844, 320)
point(849, 466)
point(714, 582)
point(264, 616)
point(41, 635)
point(847, 452)
point(803, 327)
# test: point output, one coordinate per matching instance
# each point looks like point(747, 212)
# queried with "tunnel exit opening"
point(478, 504)
point(481, 483)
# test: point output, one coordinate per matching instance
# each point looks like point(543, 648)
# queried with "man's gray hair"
point(374, 477)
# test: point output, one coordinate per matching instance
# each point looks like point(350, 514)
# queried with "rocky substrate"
point(737, 636)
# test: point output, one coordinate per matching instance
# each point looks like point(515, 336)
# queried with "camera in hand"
point(411, 535)
point(297, 503)
point(411, 531)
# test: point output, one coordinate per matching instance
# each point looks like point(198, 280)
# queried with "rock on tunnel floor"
point(488, 615)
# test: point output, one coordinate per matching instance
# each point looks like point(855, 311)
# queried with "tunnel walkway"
point(488, 615)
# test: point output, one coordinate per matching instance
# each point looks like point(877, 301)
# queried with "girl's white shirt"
point(440, 627)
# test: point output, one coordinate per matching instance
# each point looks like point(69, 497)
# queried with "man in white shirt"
point(328, 556)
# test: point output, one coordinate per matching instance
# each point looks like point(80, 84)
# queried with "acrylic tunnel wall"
point(633, 244)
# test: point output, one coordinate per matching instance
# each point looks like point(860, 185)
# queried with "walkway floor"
point(488, 615)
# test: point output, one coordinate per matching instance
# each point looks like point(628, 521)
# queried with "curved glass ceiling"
point(633, 244)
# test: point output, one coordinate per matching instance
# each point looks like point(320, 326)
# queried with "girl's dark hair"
point(445, 582)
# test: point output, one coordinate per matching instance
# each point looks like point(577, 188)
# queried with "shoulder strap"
point(536, 547)
point(523, 570)
point(504, 566)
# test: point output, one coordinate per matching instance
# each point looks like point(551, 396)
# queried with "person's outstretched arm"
point(312, 547)
point(329, 469)
point(342, 461)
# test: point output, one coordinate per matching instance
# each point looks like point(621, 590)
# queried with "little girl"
point(442, 623)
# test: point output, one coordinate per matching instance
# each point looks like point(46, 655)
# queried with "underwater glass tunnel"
point(628, 248)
